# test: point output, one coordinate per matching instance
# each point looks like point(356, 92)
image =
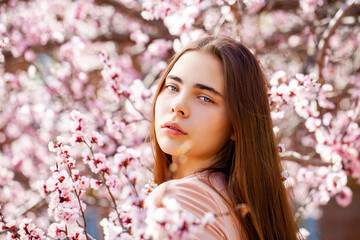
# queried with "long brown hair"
point(251, 162)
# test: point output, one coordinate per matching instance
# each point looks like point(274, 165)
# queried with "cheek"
point(159, 106)
point(211, 135)
point(160, 110)
point(220, 127)
point(215, 125)
point(157, 113)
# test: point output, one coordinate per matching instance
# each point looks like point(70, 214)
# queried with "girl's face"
point(190, 108)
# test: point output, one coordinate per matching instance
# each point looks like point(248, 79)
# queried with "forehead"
point(199, 67)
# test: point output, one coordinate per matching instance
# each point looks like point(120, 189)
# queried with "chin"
point(171, 150)
point(168, 146)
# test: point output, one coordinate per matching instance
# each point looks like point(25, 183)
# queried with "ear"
point(232, 137)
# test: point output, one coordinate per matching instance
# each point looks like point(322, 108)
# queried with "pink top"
point(197, 198)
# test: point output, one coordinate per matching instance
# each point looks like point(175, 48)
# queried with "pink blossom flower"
point(113, 182)
point(77, 137)
point(312, 124)
point(281, 147)
point(139, 37)
point(99, 163)
point(309, 6)
point(79, 123)
point(322, 98)
point(277, 78)
point(77, 233)
point(11, 224)
point(303, 234)
point(95, 138)
point(95, 184)
point(344, 197)
point(149, 187)
point(208, 218)
point(57, 230)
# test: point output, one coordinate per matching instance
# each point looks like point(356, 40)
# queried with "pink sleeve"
point(197, 198)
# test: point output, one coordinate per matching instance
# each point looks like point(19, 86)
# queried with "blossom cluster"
point(26, 229)
point(306, 95)
point(166, 220)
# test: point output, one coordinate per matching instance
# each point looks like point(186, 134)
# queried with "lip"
point(169, 128)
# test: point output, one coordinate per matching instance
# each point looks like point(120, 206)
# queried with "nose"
point(179, 112)
point(180, 108)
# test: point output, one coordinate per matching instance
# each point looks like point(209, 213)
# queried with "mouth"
point(174, 128)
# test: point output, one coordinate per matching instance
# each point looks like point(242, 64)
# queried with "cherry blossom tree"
point(77, 79)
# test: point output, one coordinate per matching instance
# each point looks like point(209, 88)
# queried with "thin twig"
point(356, 114)
point(126, 230)
point(91, 237)
point(78, 198)
point(5, 228)
point(133, 105)
point(66, 232)
point(133, 188)
point(218, 26)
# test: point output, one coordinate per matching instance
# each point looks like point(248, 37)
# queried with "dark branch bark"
point(287, 5)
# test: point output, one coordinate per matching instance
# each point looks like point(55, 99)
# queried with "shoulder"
point(196, 197)
point(192, 191)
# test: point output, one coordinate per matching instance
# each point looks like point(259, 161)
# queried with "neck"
point(190, 166)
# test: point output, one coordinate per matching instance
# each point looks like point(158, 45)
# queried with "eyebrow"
point(197, 85)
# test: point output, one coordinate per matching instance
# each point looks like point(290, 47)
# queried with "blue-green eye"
point(206, 99)
point(172, 88)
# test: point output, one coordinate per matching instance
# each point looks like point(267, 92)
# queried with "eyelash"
point(203, 98)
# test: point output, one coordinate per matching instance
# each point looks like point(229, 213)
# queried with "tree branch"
point(28, 206)
point(288, 5)
point(334, 23)
point(302, 160)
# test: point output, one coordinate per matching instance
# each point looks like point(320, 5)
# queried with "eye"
point(172, 88)
point(206, 99)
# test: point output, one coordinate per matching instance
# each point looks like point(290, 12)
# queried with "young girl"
point(214, 145)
